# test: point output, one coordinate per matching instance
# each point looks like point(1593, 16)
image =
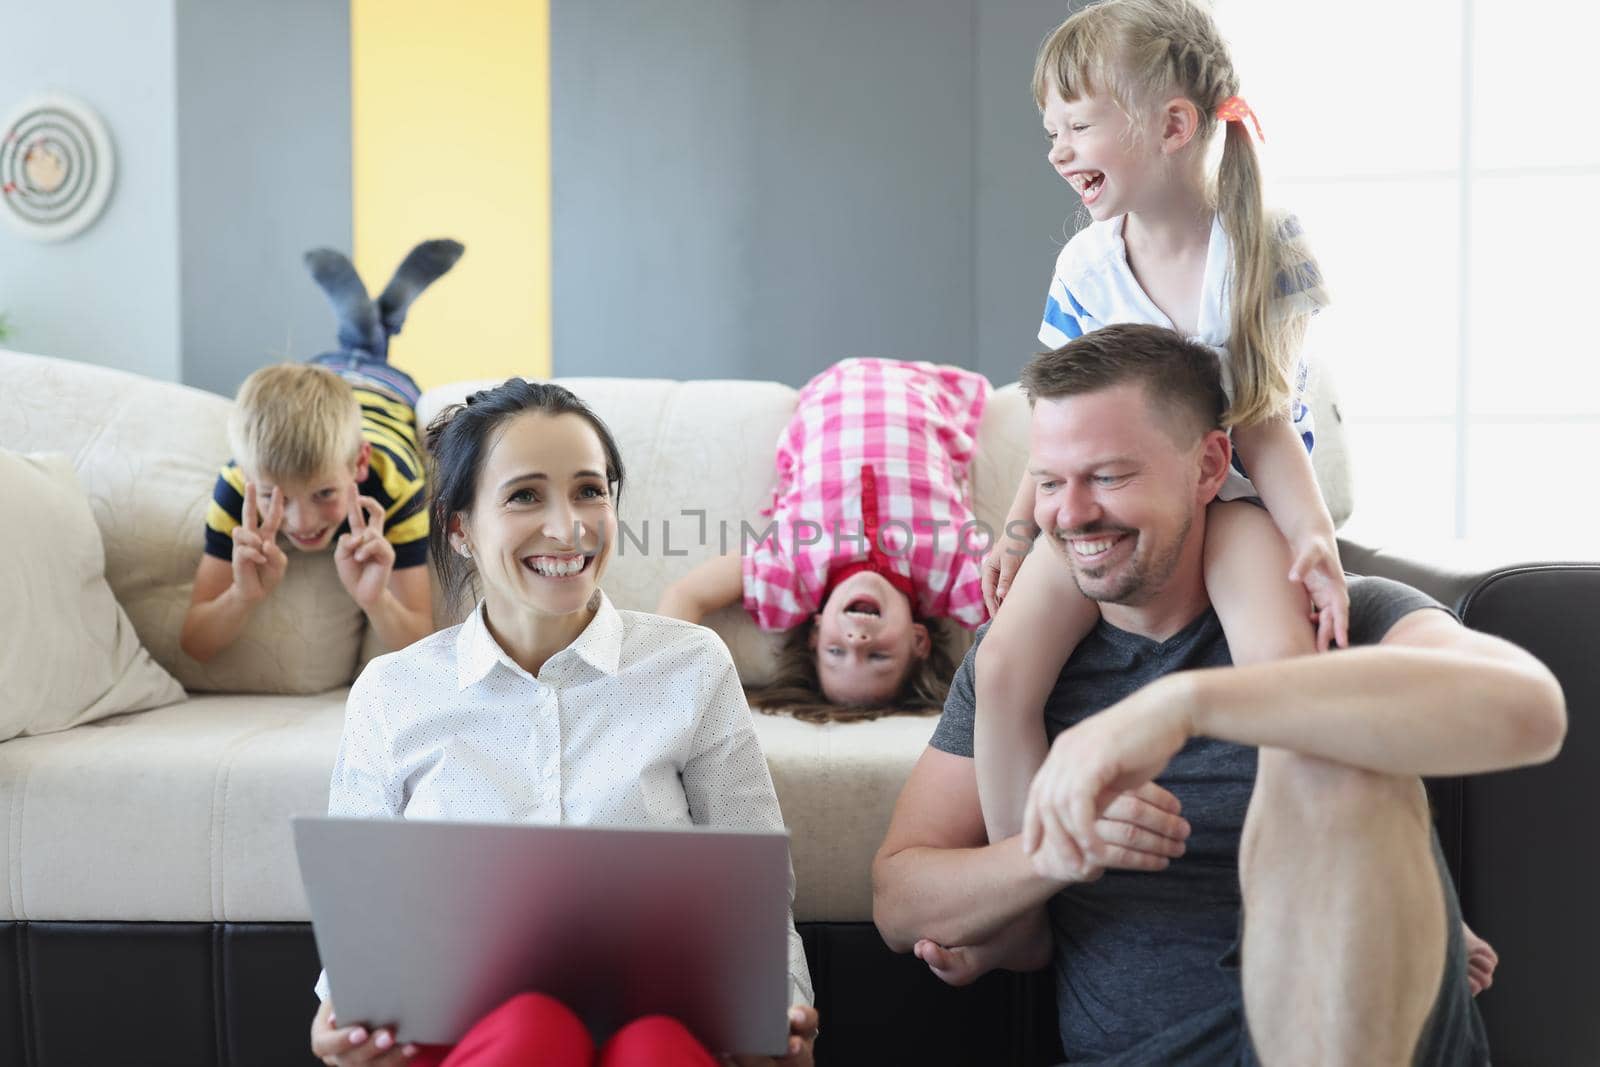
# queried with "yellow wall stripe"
point(451, 118)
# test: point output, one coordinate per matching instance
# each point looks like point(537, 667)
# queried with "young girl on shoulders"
point(869, 542)
point(1132, 94)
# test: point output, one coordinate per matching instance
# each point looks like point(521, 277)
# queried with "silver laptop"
point(428, 926)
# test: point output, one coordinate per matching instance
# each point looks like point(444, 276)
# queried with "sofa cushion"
point(68, 653)
point(147, 453)
point(181, 814)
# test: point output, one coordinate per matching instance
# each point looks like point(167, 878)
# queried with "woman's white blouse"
point(641, 721)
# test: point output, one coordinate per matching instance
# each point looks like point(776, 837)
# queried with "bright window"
point(1438, 154)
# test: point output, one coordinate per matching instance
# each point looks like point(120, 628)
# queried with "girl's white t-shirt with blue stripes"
point(1093, 287)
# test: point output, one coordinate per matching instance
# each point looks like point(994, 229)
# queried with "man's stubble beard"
point(1143, 580)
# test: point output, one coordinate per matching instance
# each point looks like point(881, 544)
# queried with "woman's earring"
point(466, 553)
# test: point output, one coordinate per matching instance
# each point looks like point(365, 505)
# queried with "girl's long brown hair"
point(795, 689)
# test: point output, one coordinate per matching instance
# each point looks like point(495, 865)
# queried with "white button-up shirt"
point(639, 722)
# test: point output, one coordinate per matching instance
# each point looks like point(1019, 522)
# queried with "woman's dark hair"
point(795, 689)
point(458, 442)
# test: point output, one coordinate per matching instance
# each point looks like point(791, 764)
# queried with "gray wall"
point(231, 127)
point(264, 169)
point(742, 187)
point(109, 295)
point(756, 188)
point(1024, 212)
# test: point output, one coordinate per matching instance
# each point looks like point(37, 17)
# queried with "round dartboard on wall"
point(56, 168)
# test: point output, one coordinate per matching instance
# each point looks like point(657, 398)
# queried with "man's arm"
point(936, 877)
point(1432, 698)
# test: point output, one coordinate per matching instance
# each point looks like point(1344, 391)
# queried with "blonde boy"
point(325, 462)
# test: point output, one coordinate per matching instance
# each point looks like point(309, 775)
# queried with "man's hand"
point(802, 1035)
point(1317, 567)
point(1070, 819)
point(1147, 832)
point(1143, 830)
point(258, 562)
point(364, 557)
point(348, 1046)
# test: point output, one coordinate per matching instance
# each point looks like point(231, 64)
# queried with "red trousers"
point(533, 1030)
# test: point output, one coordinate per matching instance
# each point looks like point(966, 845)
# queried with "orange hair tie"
point(1234, 109)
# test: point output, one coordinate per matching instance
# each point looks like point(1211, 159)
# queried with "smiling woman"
point(525, 468)
point(575, 712)
point(528, 486)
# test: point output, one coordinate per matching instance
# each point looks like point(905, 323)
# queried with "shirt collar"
point(477, 651)
point(1101, 281)
point(599, 645)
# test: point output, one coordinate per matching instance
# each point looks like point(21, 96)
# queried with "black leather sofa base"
point(239, 995)
point(1521, 844)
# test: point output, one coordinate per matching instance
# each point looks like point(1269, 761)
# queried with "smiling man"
point(1227, 865)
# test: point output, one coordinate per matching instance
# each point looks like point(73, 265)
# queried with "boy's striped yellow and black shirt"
point(395, 479)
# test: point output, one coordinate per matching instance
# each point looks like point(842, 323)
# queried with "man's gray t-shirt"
point(1137, 953)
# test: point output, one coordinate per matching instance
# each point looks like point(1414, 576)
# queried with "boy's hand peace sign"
point(364, 557)
point(258, 562)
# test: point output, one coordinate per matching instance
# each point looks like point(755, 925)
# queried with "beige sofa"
point(179, 815)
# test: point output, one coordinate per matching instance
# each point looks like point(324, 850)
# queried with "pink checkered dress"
point(904, 432)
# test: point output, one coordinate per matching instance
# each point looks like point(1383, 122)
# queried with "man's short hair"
point(294, 421)
point(1179, 375)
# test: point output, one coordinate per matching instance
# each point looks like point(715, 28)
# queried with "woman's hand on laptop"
point(347, 1046)
point(802, 1034)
